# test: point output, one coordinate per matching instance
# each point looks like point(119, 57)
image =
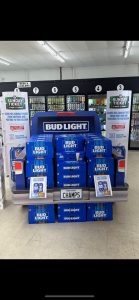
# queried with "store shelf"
point(53, 197)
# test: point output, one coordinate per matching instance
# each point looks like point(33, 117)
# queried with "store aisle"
point(112, 239)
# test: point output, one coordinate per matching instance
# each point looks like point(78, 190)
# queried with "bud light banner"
point(118, 118)
point(63, 126)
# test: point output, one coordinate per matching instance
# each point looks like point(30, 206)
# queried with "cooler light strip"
point(127, 48)
point(51, 50)
point(4, 62)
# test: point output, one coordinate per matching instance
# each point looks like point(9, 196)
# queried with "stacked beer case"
point(100, 162)
point(40, 154)
point(71, 172)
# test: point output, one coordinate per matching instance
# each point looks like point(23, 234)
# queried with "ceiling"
point(31, 55)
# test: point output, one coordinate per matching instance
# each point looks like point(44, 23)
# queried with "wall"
point(71, 73)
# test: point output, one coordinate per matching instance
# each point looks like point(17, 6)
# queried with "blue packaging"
point(72, 167)
point(38, 214)
point(71, 173)
point(20, 176)
point(73, 182)
point(69, 142)
point(98, 146)
point(119, 162)
point(41, 167)
point(40, 146)
point(99, 211)
point(70, 156)
point(100, 165)
point(75, 212)
point(15, 154)
point(17, 162)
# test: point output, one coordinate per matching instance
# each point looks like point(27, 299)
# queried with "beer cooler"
point(55, 103)
point(98, 103)
point(75, 102)
point(36, 104)
point(134, 127)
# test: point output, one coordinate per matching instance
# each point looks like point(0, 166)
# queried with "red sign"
point(121, 165)
point(118, 126)
point(16, 127)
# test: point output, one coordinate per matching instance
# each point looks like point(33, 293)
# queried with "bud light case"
point(41, 167)
point(99, 211)
point(75, 212)
point(72, 181)
point(38, 214)
point(70, 156)
point(98, 146)
point(100, 166)
point(71, 167)
point(40, 146)
point(69, 142)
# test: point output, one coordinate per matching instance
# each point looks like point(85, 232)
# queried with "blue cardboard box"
point(15, 154)
point(70, 156)
point(69, 142)
point(72, 181)
point(17, 163)
point(119, 162)
point(98, 146)
point(72, 212)
point(71, 167)
point(100, 165)
point(99, 211)
point(40, 167)
point(38, 214)
point(40, 147)
point(20, 183)
point(71, 184)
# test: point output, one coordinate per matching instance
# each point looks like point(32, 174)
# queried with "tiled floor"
point(113, 239)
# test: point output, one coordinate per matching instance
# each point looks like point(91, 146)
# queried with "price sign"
point(120, 87)
point(24, 84)
point(98, 88)
point(71, 194)
point(102, 185)
point(35, 90)
point(54, 90)
point(75, 89)
point(38, 187)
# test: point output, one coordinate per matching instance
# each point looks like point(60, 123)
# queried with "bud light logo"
point(66, 126)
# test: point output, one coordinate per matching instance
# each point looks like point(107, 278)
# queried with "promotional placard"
point(102, 185)
point(15, 117)
point(118, 118)
point(38, 187)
